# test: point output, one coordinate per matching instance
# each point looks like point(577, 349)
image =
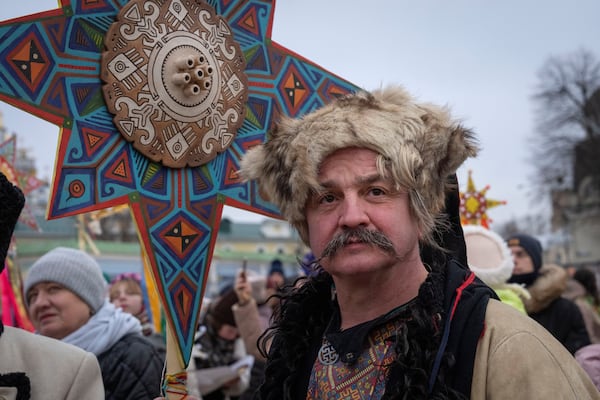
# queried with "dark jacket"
point(563, 320)
point(561, 317)
point(131, 369)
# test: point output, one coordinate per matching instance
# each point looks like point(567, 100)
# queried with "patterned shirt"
point(360, 372)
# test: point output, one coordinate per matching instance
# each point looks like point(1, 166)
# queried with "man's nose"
point(353, 212)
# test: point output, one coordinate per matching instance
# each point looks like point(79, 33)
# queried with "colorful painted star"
point(55, 65)
point(474, 205)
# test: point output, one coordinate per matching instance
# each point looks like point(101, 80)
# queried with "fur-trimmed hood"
point(409, 136)
point(550, 285)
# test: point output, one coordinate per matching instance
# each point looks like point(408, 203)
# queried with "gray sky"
point(478, 57)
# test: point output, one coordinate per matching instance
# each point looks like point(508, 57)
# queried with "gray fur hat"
point(73, 269)
point(419, 145)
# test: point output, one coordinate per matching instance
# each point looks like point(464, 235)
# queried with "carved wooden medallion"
point(174, 80)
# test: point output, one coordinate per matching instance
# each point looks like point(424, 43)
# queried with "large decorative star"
point(51, 66)
point(474, 205)
point(26, 180)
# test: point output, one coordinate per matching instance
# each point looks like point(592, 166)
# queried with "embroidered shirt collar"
point(350, 342)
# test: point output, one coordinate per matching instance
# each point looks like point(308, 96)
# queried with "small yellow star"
point(474, 205)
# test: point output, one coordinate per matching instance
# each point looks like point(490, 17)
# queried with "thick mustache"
point(358, 235)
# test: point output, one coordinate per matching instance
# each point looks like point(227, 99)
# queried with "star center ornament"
point(175, 81)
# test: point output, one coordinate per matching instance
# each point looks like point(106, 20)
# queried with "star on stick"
point(157, 101)
point(474, 205)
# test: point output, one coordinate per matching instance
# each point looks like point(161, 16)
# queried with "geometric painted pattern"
point(50, 66)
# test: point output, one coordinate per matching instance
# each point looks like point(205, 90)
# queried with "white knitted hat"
point(488, 255)
point(73, 269)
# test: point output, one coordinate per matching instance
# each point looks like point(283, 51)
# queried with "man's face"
point(523, 263)
point(55, 311)
point(356, 196)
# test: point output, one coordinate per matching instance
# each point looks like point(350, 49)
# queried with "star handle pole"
point(175, 380)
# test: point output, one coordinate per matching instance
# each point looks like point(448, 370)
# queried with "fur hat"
point(12, 202)
point(488, 255)
point(73, 269)
point(420, 145)
point(531, 245)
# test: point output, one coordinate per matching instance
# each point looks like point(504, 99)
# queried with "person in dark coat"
point(546, 285)
point(65, 293)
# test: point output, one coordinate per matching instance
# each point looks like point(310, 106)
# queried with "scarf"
point(104, 329)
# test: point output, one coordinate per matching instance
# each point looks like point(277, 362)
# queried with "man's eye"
point(377, 192)
point(326, 198)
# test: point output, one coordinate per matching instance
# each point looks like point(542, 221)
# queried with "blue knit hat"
point(531, 245)
point(75, 270)
point(276, 268)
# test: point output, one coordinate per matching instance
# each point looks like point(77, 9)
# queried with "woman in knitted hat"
point(65, 293)
point(33, 366)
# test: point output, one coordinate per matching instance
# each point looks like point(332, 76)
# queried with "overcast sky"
point(478, 57)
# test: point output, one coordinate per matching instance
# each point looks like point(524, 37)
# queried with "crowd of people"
point(395, 299)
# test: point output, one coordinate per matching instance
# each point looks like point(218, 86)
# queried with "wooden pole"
point(175, 375)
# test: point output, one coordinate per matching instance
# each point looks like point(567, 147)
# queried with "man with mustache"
point(391, 310)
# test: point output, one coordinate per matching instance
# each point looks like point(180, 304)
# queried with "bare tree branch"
point(567, 101)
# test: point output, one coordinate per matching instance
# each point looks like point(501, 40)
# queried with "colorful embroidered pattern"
point(364, 379)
